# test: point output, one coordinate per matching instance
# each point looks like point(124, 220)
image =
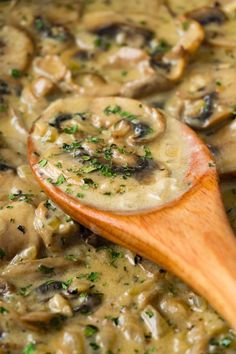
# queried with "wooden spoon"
point(190, 236)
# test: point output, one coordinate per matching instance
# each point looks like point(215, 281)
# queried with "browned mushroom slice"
point(52, 38)
point(218, 23)
point(42, 320)
point(37, 267)
point(205, 112)
point(207, 98)
point(109, 26)
point(207, 15)
point(223, 145)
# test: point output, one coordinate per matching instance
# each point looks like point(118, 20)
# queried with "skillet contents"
point(112, 153)
point(64, 289)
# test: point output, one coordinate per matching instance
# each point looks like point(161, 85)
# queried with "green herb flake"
point(23, 197)
point(94, 346)
point(60, 180)
point(94, 139)
point(38, 23)
point(45, 270)
point(71, 130)
point(59, 164)
point(118, 110)
point(3, 310)
point(25, 291)
point(16, 73)
point(148, 154)
point(80, 195)
point(67, 283)
point(29, 348)
point(88, 169)
point(93, 276)
point(43, 163)
point(90, 330)
point(71, 257)
point(149, 313)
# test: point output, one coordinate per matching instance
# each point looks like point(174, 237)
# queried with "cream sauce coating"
point(112, 153)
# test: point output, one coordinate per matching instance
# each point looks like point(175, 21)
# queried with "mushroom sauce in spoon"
point(112, 153)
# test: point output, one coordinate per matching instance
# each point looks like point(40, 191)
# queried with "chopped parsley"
point(80, 195)
point(71, 130)
point(45, 270)
point(25, 291)
point(148, 154)
point(93, 276)
point(94, 345)
point(118, 110)
point(43, 163)
point(29, 348)
point(23, 197)
point(67, 283)
point(149, 313)
point(102, 43)
point(59, 164)
point(60, 180)
point(3, 310)
point(16, 73)
point(71, 147)
point(71, 257)
point(90, 330)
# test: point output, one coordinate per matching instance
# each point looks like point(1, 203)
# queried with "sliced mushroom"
point(58, 304)
point(70, 340)
point(114, 27)
point(207, 98)
point(12, 41)
point(223, 145)
point(37, 267)
point(50, 67)
point(54, 37)
point(16, 231)
point(205, 112)
point(207, 15)
point(50, 222)
point(87, 303)
point(42, 320)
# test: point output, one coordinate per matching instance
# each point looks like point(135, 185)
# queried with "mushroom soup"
point(64, 289)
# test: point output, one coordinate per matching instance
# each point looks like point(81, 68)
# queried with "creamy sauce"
point(64, 289)
point(112, 153)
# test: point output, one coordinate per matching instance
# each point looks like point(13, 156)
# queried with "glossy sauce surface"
point(63, 289)
point(112, 153)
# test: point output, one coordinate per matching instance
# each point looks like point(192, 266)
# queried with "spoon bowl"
point(190, 236)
